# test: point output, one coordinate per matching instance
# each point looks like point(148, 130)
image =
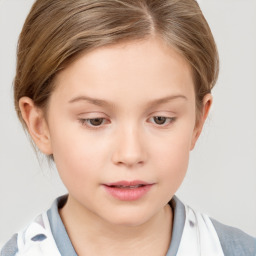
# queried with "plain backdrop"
point(221, 179)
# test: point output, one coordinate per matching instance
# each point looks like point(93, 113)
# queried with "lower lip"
point(128, 194)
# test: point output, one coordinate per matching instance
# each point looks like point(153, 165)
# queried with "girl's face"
point(121, 124)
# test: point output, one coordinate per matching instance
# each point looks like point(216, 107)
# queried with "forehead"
point(145, 68)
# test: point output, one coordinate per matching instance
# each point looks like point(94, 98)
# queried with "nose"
point(129, 148)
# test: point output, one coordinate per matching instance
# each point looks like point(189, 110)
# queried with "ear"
point(36, 124)
point(207, 102)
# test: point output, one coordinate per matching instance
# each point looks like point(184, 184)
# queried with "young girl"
point(116, 93)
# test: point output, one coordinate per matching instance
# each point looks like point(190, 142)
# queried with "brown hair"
point(56, 32)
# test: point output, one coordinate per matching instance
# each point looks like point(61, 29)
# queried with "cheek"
point(78, 166)
point(174, 168)
point(174, 159)
point(77, 156)
point(172, 155)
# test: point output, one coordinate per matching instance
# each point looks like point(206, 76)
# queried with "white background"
point(221, 180)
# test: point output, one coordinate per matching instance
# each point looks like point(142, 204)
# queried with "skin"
point(133, 82)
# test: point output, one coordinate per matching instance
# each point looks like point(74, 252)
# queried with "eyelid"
point(85, 117)
point(92, 115)
point(169, 117)
point(85, 122)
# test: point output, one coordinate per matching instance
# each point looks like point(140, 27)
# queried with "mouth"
point(129, 187)
point(128, 190)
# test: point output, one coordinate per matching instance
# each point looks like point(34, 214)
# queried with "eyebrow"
point(102, 103)
point(166, 99)
point(94, 101)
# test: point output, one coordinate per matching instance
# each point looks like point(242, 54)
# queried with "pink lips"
point(128, 190)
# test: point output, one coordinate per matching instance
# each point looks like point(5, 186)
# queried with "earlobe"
point(36, 124)
point(207, 102)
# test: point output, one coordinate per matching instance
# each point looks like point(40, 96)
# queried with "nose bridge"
point(129, 149)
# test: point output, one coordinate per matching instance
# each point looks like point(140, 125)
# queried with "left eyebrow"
point(166, 99)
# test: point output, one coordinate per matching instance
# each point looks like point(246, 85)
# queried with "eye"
point(93, 122)
point(162, 120)
point(159, 119)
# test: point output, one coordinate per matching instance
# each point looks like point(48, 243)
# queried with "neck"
point(91, 235)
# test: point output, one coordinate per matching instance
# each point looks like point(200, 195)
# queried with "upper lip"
point(125, 183)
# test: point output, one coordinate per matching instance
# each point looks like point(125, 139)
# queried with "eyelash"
point(170, 120)
point(86, 122)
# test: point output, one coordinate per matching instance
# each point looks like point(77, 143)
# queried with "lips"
point(128, 190)
point(131, 187)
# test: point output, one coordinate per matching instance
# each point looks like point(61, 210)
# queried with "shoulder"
point(11, 247)
point(229, 241)
point(36, 239)
point(234, 241)
point(44, 235)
